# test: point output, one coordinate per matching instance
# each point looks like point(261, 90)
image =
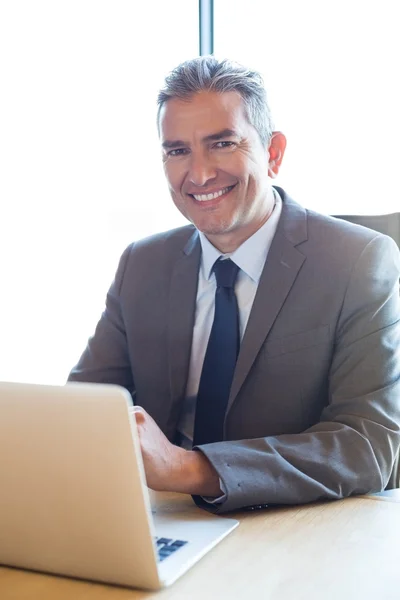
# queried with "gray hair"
point(206, 73)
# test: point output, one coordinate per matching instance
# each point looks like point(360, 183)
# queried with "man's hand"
point(170, 468)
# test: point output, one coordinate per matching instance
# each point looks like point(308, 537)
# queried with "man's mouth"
point(212, 195)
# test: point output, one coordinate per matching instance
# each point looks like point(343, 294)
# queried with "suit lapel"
point(279, 274)
point(182, 305)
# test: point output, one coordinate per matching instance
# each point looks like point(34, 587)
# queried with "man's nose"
point(201, 170)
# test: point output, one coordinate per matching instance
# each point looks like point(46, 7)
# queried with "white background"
point(332, 71)
point(80, 168)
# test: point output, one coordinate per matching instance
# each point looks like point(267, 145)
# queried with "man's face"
point(216, 166)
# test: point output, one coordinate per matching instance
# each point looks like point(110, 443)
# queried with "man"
point(309, 407)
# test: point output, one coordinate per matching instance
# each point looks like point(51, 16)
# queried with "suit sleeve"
point(352, 449)
point(106, 357)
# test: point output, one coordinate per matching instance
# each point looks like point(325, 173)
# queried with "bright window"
point(80, 167)
point(331, 69)
point(81, 172)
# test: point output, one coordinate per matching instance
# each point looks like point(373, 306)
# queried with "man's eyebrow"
point(213, 137)
point(173, 144)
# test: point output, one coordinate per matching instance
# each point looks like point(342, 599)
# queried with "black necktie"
point(220, 359)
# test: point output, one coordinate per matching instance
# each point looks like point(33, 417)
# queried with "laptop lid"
point(73, 499)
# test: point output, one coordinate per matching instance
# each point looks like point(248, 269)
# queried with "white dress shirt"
point(250, 257)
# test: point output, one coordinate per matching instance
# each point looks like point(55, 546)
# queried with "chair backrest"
point(387, 224)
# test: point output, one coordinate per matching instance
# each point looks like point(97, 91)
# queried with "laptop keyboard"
point(166, 547)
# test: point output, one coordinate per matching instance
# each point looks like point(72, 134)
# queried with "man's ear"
point(276, 151)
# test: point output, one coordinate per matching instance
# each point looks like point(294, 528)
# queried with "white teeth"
point(204, 197)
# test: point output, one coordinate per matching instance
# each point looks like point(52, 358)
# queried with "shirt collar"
point(250, 257)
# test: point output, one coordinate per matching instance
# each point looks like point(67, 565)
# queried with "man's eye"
point(177, 152)
point(225, 144)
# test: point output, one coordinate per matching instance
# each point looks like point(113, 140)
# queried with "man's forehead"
point(204, 111)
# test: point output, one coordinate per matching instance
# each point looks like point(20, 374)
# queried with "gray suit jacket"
point(314, 409)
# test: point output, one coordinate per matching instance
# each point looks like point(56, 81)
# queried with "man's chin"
point(214, 230)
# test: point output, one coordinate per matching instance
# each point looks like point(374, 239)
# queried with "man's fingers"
point(138, 412)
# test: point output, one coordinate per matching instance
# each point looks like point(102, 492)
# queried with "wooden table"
point(346, 549)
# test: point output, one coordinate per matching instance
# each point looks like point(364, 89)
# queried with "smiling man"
point(217, 165)
point(261, 343)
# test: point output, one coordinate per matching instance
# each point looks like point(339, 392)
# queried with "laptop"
point(73, 497)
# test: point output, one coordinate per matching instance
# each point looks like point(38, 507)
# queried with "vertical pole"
point(206, 26)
